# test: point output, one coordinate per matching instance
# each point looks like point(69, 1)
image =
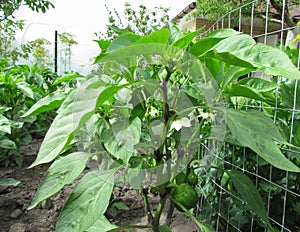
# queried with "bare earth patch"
point(14, 200)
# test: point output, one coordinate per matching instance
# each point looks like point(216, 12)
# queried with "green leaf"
point(237, 45)
point(232, 73)
point(103, 44)
point(164, 228)
point(122, 137)
point(118, 30)
point(5, 125)
point(255, 130)
point(227, 58)
point(87, 202)
point(244, 91)
point(78, 107)
point(272, 61)
point(249, 194)
point(159, 37)
point(7, 143)
point(66, 77)
point(223, 33)
point(26, 89)
point(157, 130)
point(120, 205)
point(4, 109)
point(123, 40)
point(175, 32)
point(258, 84)
point(287, 90)
point(62, 172)
point(187, 39)
point(102, 224)
point(9, 182)
point(51, 101)
point(207, 43)
point(135, 176)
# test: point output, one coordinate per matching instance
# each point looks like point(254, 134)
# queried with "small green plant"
point(155, 101)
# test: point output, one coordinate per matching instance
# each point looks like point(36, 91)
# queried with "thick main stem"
point(147, 206)
point(170, 214)
point(158, 213)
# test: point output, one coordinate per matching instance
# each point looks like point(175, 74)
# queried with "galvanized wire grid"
point(216, 196)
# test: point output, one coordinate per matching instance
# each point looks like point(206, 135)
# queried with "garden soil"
point(14, 200)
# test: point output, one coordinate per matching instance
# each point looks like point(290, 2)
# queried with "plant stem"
point(170, 214)
point(147, 206)
point(157, 216)
point(163, 85)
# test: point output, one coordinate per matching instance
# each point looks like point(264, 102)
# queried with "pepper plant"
point(21, 86)
point(143, 117)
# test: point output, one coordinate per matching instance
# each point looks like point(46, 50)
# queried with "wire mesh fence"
point(280, 190)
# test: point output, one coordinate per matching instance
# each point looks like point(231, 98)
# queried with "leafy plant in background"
point(40, 52)
point(67, 41)
point(141, 21)
point(13, 52)
point(8, 44)
point(21, 86)
point(155, 101)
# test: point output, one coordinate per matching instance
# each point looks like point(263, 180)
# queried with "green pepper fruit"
point(185, 195)
point(192, 178)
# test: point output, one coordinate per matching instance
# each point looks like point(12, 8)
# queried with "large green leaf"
point(102, 224)
point(7, 143)
point(62, 172)
point(223, 33)
point(87, 202)
point(123, 40)
point(227, 57)
point(249, 194)
point(9, 182)
point(207, 43)
point(122, 137)
point(186, 40)
point(287, 90)
point(242, 47)
point(245, 91)
point(255, 130)
point(175, 32)
point(272, 61)
point(78, 107)
point(103, 44)
point(5, 125)
point(159, 37)
point(258, 84)
point(51, 101)
point(26, 89)
point(66, 77)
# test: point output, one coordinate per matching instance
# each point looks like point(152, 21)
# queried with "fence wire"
point(280, 190)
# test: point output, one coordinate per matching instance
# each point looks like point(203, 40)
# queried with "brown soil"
point(14, 201)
